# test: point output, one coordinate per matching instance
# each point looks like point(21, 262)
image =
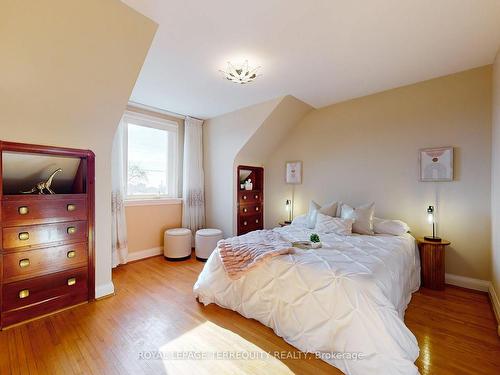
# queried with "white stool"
point(177, 244)
point(206, 242)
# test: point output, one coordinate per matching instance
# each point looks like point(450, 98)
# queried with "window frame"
point(148, 121)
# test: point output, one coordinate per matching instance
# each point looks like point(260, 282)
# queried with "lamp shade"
point(432, 220)
point(430, 214)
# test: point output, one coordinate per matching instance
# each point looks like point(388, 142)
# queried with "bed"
point(345, 302)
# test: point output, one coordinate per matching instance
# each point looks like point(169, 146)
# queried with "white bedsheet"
point(347, 297)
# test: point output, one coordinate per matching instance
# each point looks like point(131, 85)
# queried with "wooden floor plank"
point(154, 310)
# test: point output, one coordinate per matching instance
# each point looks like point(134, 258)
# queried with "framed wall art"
point(436, 164)
point(293, 172)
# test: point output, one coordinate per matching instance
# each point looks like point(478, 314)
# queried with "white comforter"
point(347, 297)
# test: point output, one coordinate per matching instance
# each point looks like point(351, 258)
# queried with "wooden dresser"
point(250, 205)
point(47, 241)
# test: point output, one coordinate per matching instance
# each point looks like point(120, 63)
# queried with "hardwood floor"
point(154, 310)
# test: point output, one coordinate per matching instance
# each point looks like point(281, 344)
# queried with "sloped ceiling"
point(66, 73)
point(272, 131)
point(321, 52)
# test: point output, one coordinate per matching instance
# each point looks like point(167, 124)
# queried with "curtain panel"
point(193, 190)
point(118, 225)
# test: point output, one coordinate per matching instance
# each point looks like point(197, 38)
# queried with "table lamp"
point(288, 205)
point(431, 218)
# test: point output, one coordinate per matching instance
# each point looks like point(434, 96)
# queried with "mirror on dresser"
point(47, 230)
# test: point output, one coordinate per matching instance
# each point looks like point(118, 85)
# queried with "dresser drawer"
point(249, 196)
point(46, 307)
point(250, 223)
point(44, 288)
point(250, 209)
point(26, 264)
point(39, 209)
point(37, 235)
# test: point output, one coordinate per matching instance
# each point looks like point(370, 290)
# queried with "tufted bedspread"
point(344, 300)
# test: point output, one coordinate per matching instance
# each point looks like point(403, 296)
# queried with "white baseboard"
point(467, 282)
point(141, 254)
point(496, 305)
point(104, 290)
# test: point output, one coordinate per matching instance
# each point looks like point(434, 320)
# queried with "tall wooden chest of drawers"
point(46, 241)
point(250, 204)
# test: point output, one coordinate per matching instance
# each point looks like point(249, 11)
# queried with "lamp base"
point(432, 239)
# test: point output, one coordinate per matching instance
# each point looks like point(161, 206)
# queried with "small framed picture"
point(293, 172)
point(436, 164)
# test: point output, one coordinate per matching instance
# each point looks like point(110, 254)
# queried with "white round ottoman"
point(206, 242)
point(177, 244)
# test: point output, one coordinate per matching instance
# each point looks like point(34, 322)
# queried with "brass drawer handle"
point(256, 221)
point(71, 254)
point(245, 223)
point(24, 293)
point(71, 230)
point(23, 236)
point(256, 196)
point(72, 281)
point(23, 263)
point(244, 197)
point(23, 210)
point(257, 208)
point(70, 207)
point(245, 210)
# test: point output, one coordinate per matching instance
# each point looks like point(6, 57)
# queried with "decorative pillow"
point(362, 216)
point(394, 227)
point(328, 224)
point(330, 209)
point(314, 208)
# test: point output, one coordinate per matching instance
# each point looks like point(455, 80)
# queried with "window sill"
point(152, 201)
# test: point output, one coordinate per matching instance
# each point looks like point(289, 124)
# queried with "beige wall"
point(146, 224)
point(66, 73)
point(495, 192)
point(366, 150)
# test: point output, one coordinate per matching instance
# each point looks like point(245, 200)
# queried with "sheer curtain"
point(119, 224)
point(193, 192)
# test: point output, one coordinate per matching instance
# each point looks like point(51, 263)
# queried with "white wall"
point(66, 73)
point(366, 150)
point(223, 138)
point(245, 137)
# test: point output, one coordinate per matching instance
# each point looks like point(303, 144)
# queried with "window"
point(150, 157)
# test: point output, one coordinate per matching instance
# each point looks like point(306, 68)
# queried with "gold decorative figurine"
point(44, 185)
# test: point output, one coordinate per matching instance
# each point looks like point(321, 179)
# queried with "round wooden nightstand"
point(432, 263)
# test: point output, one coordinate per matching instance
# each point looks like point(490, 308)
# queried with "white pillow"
point(328, 224)
point(362, 216)
point(300, 221)
point(312, 214)
point(314, 208)
point(394, 227)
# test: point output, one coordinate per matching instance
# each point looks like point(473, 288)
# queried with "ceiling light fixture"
point(241, 74)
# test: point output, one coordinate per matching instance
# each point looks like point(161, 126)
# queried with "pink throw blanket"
point(243, 253)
